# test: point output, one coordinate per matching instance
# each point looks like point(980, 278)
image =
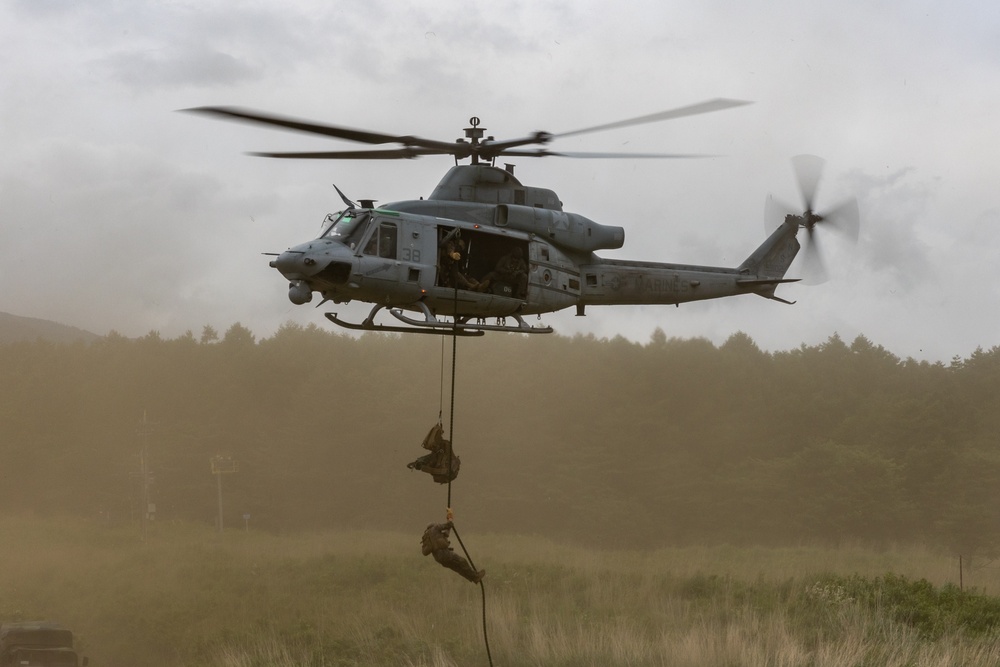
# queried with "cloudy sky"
point(117, 213)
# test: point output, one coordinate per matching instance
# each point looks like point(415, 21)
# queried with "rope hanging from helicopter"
point(452, 471)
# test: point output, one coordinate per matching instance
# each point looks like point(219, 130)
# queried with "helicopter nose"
point(328, 264)
point(291, 263)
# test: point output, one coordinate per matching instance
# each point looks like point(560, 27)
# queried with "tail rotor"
point(843, 218)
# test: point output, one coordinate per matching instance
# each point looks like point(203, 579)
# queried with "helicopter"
point(484, 246)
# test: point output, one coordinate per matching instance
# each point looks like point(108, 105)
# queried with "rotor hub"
point(811, 219)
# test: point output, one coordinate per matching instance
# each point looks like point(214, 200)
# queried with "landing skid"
point(431, 325)
point(480, 324)
point(368, 325)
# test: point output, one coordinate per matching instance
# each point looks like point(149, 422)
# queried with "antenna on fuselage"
point(347, 201)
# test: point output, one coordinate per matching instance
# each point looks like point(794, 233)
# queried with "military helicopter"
point(483, 246)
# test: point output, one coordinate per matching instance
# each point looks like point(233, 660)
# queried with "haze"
point(119, 214)
point(599, 442)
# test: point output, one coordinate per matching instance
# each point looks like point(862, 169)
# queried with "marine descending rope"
point(451, 437)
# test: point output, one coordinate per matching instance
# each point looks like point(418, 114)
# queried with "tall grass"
point(188, 596)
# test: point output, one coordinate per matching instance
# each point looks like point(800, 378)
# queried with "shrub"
point(933, 612)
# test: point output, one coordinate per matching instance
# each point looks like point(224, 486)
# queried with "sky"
point(119, 214)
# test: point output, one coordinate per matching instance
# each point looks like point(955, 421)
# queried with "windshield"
point(348, 227)
point(46, 658)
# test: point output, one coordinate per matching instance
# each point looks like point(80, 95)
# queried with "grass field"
point(188, 596)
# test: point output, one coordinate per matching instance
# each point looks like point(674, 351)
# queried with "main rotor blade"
point(691, 110)
point(417, 146)
point(387, 154)
point(808, 170)
point(547, 153)
point(309, 127)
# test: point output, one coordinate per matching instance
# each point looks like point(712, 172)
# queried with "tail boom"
point(624, 282)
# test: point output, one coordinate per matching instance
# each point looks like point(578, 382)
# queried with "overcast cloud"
point(118, 213)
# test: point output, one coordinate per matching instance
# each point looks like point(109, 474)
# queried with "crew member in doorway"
point(452, 258)
point(511, 270)
point(435, 541)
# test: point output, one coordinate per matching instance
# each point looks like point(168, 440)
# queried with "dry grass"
point(190, 597)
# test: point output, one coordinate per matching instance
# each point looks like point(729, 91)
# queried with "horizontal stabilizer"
point(765, 286)
point(766, 281)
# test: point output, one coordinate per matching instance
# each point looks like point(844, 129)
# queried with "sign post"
point(222, 465)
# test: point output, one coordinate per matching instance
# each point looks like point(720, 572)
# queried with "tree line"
point(600, 441)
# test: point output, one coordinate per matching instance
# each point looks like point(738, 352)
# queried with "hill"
point(14, 329)
point(601, 442)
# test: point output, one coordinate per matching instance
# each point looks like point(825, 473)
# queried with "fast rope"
point(451, 437)
point(441, 392)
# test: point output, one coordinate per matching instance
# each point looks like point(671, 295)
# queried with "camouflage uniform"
point(435, 464)
point(435, 541)
point(451, 260)
point(512, 270)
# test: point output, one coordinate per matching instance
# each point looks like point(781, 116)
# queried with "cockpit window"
point(328, 221)
point(348, 227)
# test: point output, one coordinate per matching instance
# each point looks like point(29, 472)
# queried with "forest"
point(604, 443)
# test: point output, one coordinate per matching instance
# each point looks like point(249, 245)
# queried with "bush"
point(933, 612)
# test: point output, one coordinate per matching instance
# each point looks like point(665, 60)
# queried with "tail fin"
point(765, 267)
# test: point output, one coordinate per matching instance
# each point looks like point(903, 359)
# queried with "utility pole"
point(222, 465)
point(145, 509)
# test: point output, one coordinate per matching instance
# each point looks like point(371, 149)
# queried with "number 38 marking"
point(411, 255)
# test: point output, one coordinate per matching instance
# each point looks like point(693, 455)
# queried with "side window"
point(387, 233)
point(383, 241)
